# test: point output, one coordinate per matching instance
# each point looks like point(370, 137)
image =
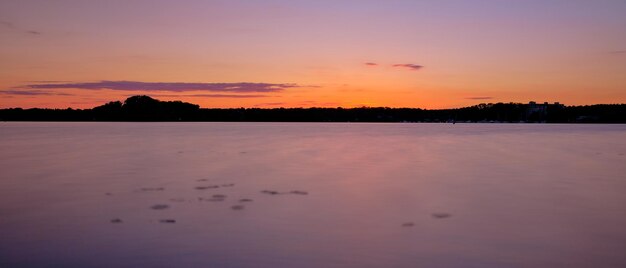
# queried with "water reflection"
point(311, 195)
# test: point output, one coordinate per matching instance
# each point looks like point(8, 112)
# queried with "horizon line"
point(327, 107)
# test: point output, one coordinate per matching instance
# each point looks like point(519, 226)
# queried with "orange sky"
point(427, 54)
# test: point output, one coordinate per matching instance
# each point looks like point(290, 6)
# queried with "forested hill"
point(145, 108)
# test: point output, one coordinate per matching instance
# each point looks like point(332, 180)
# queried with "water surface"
point(367, 195)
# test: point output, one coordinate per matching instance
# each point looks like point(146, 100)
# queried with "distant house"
point(539, 112)
point(535, 110)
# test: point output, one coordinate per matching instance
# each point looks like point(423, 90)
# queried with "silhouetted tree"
point(145, 108)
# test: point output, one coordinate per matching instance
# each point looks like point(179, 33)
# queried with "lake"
point(312, 195)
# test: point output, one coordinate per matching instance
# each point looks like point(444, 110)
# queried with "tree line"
point(145, 108)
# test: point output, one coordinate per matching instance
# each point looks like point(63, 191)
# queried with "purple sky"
point(382, 53)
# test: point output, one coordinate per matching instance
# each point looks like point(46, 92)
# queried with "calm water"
point(378, 195)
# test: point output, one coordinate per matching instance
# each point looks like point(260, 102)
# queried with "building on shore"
point(539, 112)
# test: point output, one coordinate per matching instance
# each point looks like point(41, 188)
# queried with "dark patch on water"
point(441, 215)
point(212, 199)
point(151, 189)
point(207, 187)
point(159, 206)
point(408, 224)
point(228, 185)
point(298, 192)
point(237, 207)
point(167, 221)
point(245, 200)
point(116, 221)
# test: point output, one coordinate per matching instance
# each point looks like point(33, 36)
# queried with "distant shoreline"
point(147, 109)
point(318, 122)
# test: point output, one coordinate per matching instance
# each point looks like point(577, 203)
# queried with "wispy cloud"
point(88, 102)
point(242, 96)
point(618, 52)
point(479, 98)
point(7, 24)
point(410, 66)
point(33, 93)
point(11, 26)
point(168, 86)
point(46, 81)
point(306, 103)
point(312, 103)
point(371, 64)
point(270, 104)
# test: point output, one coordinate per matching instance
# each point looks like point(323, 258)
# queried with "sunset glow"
point(426, 54)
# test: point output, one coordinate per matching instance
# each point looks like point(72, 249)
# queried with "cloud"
point(618, 52)
point(210, 96)
point(371, 64)
point(270, 104)
point(46, 81)
point(410, 66)
point(12, 26)
point(479, 98)
point(168, 86)
point(33, 93)
point(312, 103)
point(7, 24)
point(306, 103)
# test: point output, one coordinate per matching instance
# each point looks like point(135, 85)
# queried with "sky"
point(293, 53)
